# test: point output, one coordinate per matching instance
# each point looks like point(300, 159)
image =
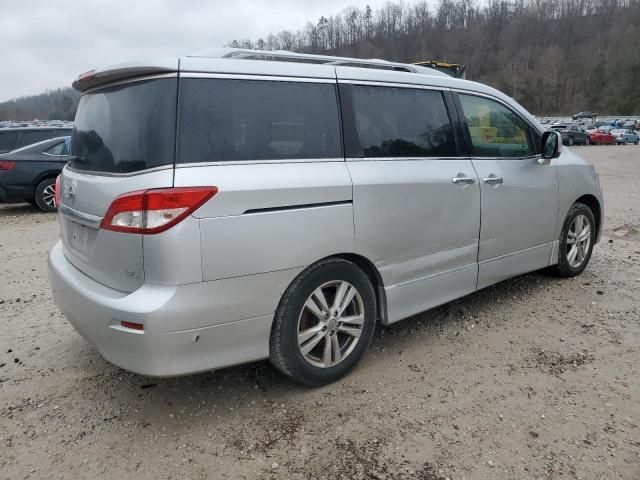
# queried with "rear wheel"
point(570, 141)
point(324, 323)
point(44, 196)
point(576, 241)
point(586, 141)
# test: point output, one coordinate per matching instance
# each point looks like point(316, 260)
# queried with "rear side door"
point(519, 192)
point(416, 202)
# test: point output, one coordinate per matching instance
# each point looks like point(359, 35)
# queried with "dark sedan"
point(14, 138)
point(572, 134)
point(29, 173)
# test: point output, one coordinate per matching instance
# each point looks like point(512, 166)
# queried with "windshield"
point(125, 128)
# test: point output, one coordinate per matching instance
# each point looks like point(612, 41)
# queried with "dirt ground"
point(535, 378)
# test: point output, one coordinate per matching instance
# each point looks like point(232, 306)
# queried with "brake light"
point(154, 211)
point(56, 192)
point(6, 165)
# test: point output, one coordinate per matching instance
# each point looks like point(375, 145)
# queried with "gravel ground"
point(534, 378)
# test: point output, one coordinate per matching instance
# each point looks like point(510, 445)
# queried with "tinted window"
point(402, 122)
point(495, 130)
point(125, 128)
point(7, 141)
point(32, 136)
point(223, 120)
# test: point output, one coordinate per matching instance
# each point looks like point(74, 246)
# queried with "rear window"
point(402, 122)
point(126, 128)
point(7, 141)
point(236, 120)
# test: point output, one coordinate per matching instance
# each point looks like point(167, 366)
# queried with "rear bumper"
point(187, 328)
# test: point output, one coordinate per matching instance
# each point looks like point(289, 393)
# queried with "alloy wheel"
point(330, 324)
point(48, 196)
point(578, 240)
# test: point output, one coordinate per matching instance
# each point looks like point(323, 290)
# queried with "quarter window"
point(59, 149)
point(495, 130)
point(235, 120)
point(402, 122)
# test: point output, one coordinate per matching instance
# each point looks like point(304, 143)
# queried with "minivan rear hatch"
point(123, 141)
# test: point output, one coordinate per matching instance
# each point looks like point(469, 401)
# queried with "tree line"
point(60, 104)
point(556, 57)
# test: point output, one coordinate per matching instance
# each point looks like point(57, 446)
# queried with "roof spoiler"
point(113, 73)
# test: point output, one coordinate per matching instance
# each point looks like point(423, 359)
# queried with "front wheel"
point(324, 323)
point(576, 241)
point(586, 141)
point(44, 195)
point(570, 141)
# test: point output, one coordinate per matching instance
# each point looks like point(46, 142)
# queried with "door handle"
point(463, 180)
point(492, 180)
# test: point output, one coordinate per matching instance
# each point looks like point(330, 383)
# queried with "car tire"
point(636, 142)
point(576, 243)
point(309, 343)
point(570, 141)
point(586, 141)
point(625, 141)
point(43, 195)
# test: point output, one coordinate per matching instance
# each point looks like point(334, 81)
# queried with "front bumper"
point(187, 328)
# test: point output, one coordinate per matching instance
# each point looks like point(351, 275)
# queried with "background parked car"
point(601, 137)
point(584, 115)
point(29, 173)
point(572, 134)
point(624, 136)
point(14, 138)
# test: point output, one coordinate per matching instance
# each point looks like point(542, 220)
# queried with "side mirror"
point(551, 145)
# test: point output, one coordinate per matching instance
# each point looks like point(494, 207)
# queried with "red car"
point(600, 137)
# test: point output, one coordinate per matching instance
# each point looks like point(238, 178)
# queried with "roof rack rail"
point(287, 56)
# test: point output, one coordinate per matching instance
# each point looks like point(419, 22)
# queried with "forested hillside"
point(553, 56)
point(57, 104)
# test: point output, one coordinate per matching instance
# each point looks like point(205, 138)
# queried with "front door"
point(416, 204)
point(519, 194)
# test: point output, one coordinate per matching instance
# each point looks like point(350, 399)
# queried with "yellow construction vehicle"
point(454, 69)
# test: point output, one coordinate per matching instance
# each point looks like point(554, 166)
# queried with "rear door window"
point(29, 137)
point(495, 130)
point(238, 120)
point(126, 128)
point(402, 122)
point(7, 141)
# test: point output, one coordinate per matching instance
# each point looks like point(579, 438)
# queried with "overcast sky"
point(46, 44)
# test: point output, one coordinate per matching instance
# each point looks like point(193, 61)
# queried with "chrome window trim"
point(401, 159)
point(86, 219)
point(168, 166)
point(258, 162)
point(242, 76)
point(537, 156)
point(374, 83)
point(130, 80)
point(53, 155)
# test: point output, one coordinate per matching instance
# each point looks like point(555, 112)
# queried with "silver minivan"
point(240, 205)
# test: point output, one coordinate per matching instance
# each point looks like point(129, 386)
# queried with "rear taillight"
point(154, 211)
point(56, 192)
point(6, 165)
